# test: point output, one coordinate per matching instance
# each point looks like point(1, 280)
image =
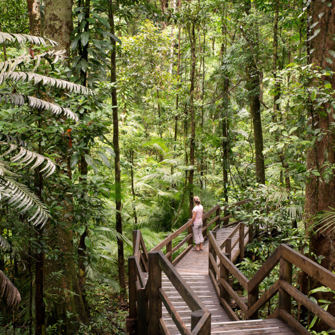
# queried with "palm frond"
point(22, 199)
point(4, 245)
point(37, 78)
point(20, 99)
point(9, 292)
point(10, 64)
point(26, 157)
point(23, 38)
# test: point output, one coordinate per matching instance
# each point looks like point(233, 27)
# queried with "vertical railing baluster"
point(218, 212)
point(142, 306)
point(154, 284)
point(169, 249)
point(285, 274)
point(241, 241)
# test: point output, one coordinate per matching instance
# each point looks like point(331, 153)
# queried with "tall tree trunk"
point(253, 86)
point(192, 113)
point(83, 168)
point(34, 11)
point(320, 194)
point(58, 22)
point(39, 264)
point(122, 280)
point(224, 114)
point(58, 26)
point(276, 97)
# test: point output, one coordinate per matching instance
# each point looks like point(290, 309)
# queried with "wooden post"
point(228, 248)
point(241, 241)
point(218, 212)
point(214, 254)
point(142, 305)
point(132, 287)
point(224, 274)
point(252, 299)
point(285, 273)
point(204, 234)
point(251, 234)
point(210, 251)
point(155, 283)
point(190, 231)
point(168, 249)
point(195, 318)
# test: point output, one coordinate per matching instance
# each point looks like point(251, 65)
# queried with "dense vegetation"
point(141, 105)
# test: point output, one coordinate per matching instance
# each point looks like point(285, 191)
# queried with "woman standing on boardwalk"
point(198, 212)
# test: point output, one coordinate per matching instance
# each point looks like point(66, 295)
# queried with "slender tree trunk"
point(320, 194)
point(276, 97)
point(132, 183)
point(253, 86)
point(82, 250)
point(192, 113)
point(122, 280)
point(34, 11)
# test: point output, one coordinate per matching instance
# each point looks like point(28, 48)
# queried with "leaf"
point(74, 160)
point(116, 39)
point(313, 322)
point(110, 150)
point(321, 289)
point(87, 241)
point(104, 158)
point(293, 130)
point(89, 160)
point(313, 95)
point(332, 53)
point(84, 37)
point(9, 292)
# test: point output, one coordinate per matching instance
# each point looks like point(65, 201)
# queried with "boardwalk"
point(194, 269)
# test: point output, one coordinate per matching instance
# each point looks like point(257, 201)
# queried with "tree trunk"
point(58, 22)
point(320, 194)
point(192, 113)
point(122, 280)
point(58, 26)
point(253, 86)
point(39, 265)
point(34, 12)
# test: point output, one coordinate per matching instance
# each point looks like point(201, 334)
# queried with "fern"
point(38, 78)
point(23, 38)
point(9, 292)
point(20, 197)
point(21, 99)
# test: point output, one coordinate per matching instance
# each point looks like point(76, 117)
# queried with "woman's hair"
point(196, 200)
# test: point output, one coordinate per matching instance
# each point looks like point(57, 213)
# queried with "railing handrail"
point(287, 257)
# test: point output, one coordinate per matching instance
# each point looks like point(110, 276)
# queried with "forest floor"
point(108, 314)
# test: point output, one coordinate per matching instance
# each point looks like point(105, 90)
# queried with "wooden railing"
point(168, 242)
point(286, 257)
point(146, 296)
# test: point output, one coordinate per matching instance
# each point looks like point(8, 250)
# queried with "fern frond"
point(22, 199)
point(20, 100)
point(23, 38)
point(37, 78)
point(9, 292)
point(4, 243)
point(26, 157)
point(10, 64)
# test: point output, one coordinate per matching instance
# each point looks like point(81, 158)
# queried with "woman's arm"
point(193, 217)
